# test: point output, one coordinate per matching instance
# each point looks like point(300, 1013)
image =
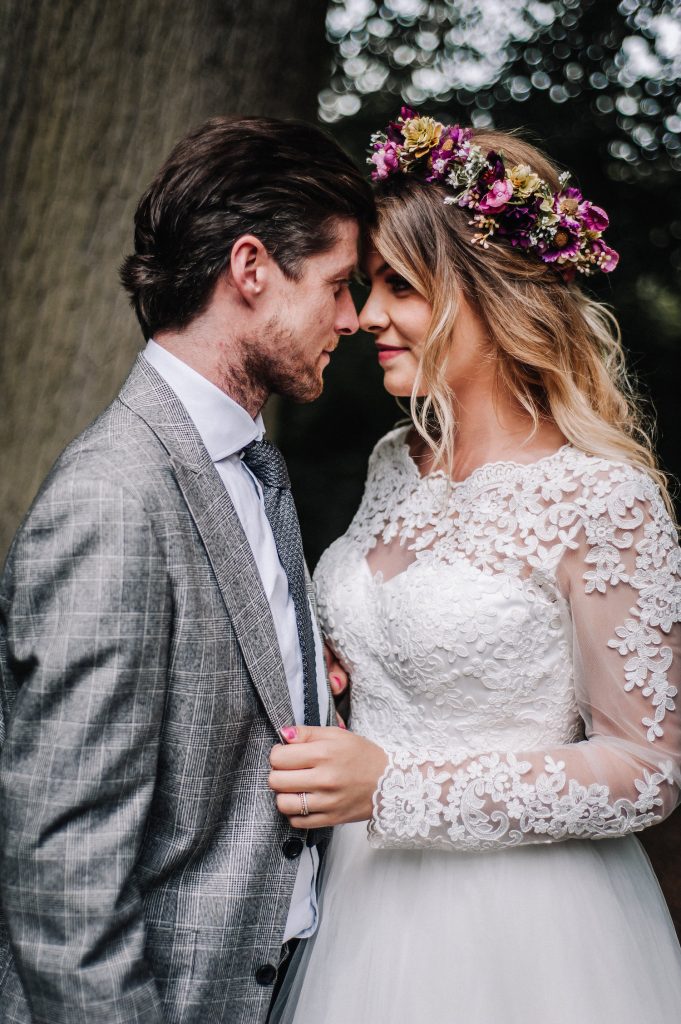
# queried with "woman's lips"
point(388, 352)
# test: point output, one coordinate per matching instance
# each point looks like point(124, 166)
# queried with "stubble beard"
point(278, 366)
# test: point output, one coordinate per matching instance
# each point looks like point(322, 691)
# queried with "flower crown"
point(512, 203)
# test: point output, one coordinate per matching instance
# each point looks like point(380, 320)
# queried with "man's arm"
point(86, 613)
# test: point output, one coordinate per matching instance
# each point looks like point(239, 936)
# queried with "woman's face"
point(399, 318)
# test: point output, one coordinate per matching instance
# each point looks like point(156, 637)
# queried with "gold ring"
point(304, 809)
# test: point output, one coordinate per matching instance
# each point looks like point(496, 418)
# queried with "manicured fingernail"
point(289, 733)
point(342, 725)
point(335, 683)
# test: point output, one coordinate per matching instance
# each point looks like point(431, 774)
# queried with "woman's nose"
point(372, 316)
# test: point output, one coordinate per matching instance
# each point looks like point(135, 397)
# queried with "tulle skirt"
point(572, 933)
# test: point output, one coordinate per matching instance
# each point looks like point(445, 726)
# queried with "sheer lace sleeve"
point(620, 574)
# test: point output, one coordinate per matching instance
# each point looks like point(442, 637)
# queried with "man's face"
point(310, 314)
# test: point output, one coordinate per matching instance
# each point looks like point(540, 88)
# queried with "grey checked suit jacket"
point(144, 874)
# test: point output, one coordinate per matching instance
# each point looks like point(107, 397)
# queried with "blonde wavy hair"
point(557, 351)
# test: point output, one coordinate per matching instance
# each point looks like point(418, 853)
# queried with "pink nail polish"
point(335, 683)
point(342, 725)
point(289, 733)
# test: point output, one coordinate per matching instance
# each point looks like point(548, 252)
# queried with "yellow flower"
point(569, 207)
point(420, 135)
point(548, 215)
point(524, 180)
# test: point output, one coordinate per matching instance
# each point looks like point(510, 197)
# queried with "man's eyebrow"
point(347, 271)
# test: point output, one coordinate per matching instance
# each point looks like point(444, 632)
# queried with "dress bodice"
point(444, 655)
point(504, 613)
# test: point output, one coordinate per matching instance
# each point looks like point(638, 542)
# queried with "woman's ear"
point(249, 268)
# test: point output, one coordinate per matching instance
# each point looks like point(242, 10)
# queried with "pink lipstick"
point(388, 352)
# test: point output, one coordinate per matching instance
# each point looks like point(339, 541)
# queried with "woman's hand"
point(336, 770)
point(339, 682)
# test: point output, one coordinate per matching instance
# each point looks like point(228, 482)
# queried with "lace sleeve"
point(620, 574)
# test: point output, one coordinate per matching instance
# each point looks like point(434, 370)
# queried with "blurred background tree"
point(96, 91)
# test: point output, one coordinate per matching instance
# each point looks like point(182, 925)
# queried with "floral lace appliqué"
point(488, 803)
point(520, 520)
point(518, 629)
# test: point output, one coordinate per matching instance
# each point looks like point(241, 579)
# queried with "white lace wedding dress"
point(512, 642)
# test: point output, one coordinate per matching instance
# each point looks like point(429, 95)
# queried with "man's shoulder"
point(117, 452)
point(114, 484)
point(118, 444)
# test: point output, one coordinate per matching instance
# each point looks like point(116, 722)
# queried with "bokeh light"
point(626, 55)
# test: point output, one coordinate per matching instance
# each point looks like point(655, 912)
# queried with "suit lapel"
point(312, 596)
point(148, 395)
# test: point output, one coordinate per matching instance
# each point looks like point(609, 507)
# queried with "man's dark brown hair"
point(284, 181)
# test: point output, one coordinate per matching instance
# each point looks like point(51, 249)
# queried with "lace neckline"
point(484, 472)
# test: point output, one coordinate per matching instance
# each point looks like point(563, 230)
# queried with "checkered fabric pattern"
point(142, 875)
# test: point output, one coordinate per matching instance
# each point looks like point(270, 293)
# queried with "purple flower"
point(573, 194)
point(565, 242)
point(607, 258)
point(385, 160)
point(395, 127)
point(516, 223)
point(566, 205)
point(497, 197)
point(439, 165)
point(394, 132)
point(593, 217)
point(570, 205)
point(460, 139)
point(495, 170)
point(560, 228)
point(454, 145)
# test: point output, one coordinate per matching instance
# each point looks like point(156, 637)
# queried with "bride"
point(506, 601)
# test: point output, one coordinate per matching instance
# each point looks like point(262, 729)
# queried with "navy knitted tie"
point(267, 463)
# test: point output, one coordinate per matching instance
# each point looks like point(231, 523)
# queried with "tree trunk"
point(95, 92)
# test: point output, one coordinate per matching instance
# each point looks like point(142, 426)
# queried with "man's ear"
point(250, 268)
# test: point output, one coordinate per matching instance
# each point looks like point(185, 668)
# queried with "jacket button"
point(293, 847)
point(266, 974)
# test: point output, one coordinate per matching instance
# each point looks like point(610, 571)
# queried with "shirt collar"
point(224, 426)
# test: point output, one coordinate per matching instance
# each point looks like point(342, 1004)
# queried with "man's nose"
point(346, 319)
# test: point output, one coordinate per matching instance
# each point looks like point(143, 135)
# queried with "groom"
point(155, 614)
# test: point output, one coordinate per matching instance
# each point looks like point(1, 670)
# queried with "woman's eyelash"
point(397, 283)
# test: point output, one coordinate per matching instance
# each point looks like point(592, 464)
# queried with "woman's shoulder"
point(619, 505)
point(390, 449)
point(389, 481)
point(599, 475)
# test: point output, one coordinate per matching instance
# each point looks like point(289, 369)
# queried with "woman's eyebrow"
point(377, 273)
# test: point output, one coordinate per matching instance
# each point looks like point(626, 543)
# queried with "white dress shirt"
point(225, 429)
